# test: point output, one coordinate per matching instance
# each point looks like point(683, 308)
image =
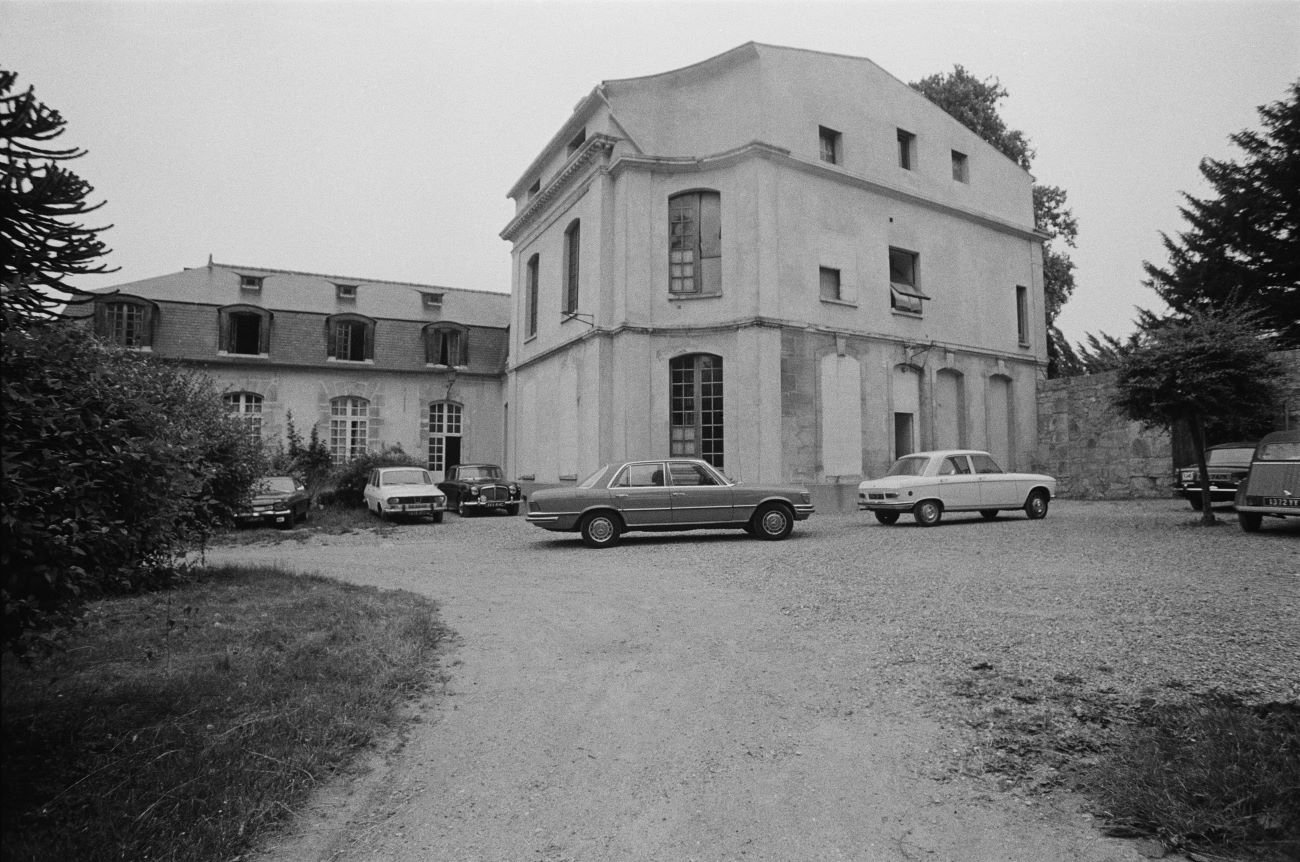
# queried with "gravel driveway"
point(708, 696)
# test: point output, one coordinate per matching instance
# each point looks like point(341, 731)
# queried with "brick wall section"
point(1095, 453)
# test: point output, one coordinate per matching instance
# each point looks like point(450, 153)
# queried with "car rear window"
point(908, 467)
point(406, 477)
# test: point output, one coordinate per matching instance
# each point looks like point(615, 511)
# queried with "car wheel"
point(512, 509)
point(988, 514)
point(437, 517)
point(1250, 521)
point(1036, 505)
point(601, 530)
point(927, 513)
point(379, 510)
point(886, 518)
point(773, 522)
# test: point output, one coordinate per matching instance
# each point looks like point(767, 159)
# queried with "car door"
point(997, 489)
point(641, 493)
point(699, 496)
point(959, 486)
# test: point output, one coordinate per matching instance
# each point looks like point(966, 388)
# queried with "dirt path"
point(666, 700)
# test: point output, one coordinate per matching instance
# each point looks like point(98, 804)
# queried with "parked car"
point(1272, 485)
point(279, 500)
point(928, 484)
point(1227, 463)
point(404, 491)
point(666, 494)
point(479, 488)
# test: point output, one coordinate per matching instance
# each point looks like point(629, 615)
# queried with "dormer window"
point(534, 189)
point(446, 344)
point(577, 142)
point(244, 330)
point(346, 292)
point(432, 300)
point(350, 338)
point(127, 321)
point(251, 283)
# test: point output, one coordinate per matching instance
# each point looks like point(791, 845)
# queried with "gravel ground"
point(845, 694)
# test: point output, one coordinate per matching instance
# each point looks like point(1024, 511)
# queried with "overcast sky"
point(378, 140)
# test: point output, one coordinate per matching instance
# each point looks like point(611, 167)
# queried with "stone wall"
point(1095, 453)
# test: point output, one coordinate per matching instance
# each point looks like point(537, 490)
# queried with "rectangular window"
point(349, 428)
point(247, 407)
point(830, 283)
point(572, 253)
point(960, 167)
point(830, 145)
point(903, 435)
point(433, 300)
point(576, 143)
point(126, 324)
point(350, 341)
point(250, 282)
point(904, 285)
point(1022, 314)
point(534, 189)
point(345, 291)
point(695, 244)
point(450, 347)
point(530, 298)
point(246, 333)
point(906, 150)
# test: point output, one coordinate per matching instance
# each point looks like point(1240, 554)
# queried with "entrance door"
point(444, 437)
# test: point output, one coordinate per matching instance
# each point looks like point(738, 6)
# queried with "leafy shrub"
point(350, 483)
point(310, 462)
point(114, 464)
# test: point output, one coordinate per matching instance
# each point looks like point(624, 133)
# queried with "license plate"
point(1283, 502)
point(416, 508)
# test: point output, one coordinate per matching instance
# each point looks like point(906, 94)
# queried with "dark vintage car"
point(474, 488)
point(279, 500)
point(666, 494)
point(1227, 463)
point(1272, 486)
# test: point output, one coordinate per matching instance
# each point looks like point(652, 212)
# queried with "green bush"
point(310, 461)
point(114, 464)
point(351, 481)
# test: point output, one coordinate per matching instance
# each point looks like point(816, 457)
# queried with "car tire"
point(437, 517)
point(988, 514)
point(379, 510)
point(601, 530)
point(1250, 521)
point(773, 522)
point(927, 512)
point(512, 509)
point(1036, 505)
point(886, 518)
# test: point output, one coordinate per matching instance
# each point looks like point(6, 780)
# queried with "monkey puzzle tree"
point(974, 103)
point(41, 241)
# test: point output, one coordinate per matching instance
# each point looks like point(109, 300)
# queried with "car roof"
point(1239, 445)
point(944, 453)
point(1289, 436)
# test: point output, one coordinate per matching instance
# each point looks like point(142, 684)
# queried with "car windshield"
point(278, 485)
point(405, 477)
point(1281, 451)
point(911, 466)
point(1229, 457)
point(591, 480)
point(480, 471)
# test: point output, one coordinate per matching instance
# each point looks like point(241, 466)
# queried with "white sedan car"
point(927, 484)
point(407, 491)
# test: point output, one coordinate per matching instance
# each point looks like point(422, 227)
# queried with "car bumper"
point(276, 518)
point(560, 523)
point(885, 505)
point(803, 511)
point(1218, 495)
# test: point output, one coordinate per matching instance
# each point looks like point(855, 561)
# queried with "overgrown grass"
point(1203, 772)
point(179, 726)
point(328, 520)
point(1208, 775)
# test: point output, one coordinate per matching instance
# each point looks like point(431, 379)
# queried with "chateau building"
point(368, 364)
point(786, 262)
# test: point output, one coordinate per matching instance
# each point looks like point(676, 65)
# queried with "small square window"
point(534, 188)
point(830, 283)
point(906, 150)
point(904, 288)
point(433, 300)
point(346, 291)
point(960, 167)
point(830, 145)
point(250, 282)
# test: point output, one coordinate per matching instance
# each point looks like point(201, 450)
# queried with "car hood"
point(410, 490)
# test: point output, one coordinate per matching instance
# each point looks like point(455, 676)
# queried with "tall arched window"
point(695, 243)
point(572, 253)
point(349, 428)
point(248, 407)
point(695, 420)
point(445, 428)
point(530, 296)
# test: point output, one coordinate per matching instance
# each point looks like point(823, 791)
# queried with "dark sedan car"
point(1227, 463)
point(479, 488)
point(667, 494)
point(279, 500)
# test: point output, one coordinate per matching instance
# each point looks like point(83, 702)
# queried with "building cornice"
point(761, 322)
point(597, 145)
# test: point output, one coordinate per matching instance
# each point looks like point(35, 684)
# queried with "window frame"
point(906, 150)
point(238, 404)
point(437, 337)
point(226, 326)
point(830, 143)
point(960, 167)
point(251, 283)
point(823, 272)
point(532, 275)
point(349, 420)
point(334, 324)
point(136, 334)
point(1022, 315)
point(695, 243)
point(696, 404)
point(572, 267)
point(905, 294)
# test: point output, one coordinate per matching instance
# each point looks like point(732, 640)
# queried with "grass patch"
point(1203, 772)
point(181, 725)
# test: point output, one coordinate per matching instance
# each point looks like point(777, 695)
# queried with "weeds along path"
point(705, 696)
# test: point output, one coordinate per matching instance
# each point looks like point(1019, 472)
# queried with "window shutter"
point(264, 333)
point(330, 327)
point(223, 330)
point(370, 341)
point(464, 348)
point(430, 347)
